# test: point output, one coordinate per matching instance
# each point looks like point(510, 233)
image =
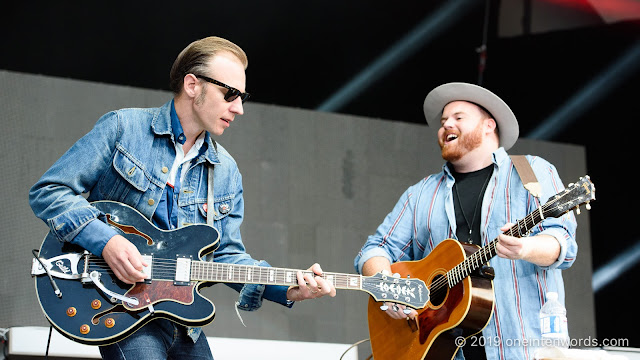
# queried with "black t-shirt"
point(468, 192)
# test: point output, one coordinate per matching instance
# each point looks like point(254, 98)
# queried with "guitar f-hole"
point(114, 310)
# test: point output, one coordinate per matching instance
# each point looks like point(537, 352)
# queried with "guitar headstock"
point(579, 193)
point(406, 291)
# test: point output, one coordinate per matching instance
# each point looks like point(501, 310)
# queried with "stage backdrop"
point(316, 185)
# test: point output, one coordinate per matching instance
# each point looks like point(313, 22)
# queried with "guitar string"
point(169, 264)
point(166, 268)
point(240, 273)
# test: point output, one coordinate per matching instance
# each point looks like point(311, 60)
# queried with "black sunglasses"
point(232, 94)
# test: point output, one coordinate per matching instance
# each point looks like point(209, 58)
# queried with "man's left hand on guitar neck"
point(311, 287)
point(542, 250)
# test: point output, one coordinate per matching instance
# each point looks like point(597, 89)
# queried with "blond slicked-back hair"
point(194, 58)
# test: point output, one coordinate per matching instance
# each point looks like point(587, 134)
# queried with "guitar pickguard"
point(160, 290)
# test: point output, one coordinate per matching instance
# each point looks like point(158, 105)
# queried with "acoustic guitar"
point(461, 289)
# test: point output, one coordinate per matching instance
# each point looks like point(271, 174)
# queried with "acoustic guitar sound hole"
point(438, 290)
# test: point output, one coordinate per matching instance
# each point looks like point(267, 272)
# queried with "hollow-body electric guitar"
point(84, 301)
point(461, 289)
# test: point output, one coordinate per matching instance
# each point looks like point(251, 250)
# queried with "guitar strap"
point(210, 203)
point(210, 206)
point(527, 176)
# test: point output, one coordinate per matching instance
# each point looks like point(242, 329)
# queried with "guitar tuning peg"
point(396, 275)
point(588, 206)
point(384, 307)
point(571, 184)
point(578, 210)
point(406, 311)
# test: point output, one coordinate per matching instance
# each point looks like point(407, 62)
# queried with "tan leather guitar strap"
point(528, 177)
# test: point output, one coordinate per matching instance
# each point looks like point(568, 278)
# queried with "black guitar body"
point(88, 315)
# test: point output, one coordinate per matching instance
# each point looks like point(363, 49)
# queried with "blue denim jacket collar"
point(162, 125)
point(178, 132)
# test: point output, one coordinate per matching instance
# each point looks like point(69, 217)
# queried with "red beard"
point(462, 146)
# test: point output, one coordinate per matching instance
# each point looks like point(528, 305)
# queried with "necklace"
point(475, 208)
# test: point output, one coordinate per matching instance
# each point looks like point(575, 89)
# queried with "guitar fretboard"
point(248, 274)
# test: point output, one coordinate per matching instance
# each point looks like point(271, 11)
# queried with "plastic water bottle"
point(553, 322)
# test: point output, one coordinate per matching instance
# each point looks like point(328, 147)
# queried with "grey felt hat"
point(439, 97)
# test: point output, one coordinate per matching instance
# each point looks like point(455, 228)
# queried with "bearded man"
point(476, 197)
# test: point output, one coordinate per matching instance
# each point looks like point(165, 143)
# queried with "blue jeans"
point(159, 339)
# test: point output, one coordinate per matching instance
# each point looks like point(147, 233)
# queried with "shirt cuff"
point(94, 236)
point(370, 253)
point(559, 236)
point(277, 293)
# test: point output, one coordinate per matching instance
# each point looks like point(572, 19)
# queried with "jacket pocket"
point(130, 170)
point(125, 181)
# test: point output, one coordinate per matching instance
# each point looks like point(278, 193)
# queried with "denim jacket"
point(424, 216)
point(126, 158)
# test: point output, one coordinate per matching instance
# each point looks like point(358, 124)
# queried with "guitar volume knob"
point(96, 304)
point(71, 311)
point(84, 329)
point(109, 322)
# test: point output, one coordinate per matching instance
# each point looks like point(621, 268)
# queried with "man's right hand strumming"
point(124, 259)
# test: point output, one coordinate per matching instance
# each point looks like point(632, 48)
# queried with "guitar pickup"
point(147, 271)
point(183, 271)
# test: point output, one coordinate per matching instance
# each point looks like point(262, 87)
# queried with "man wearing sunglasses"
point(157, 161)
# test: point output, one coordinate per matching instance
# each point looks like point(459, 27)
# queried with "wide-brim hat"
point(439, 97)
